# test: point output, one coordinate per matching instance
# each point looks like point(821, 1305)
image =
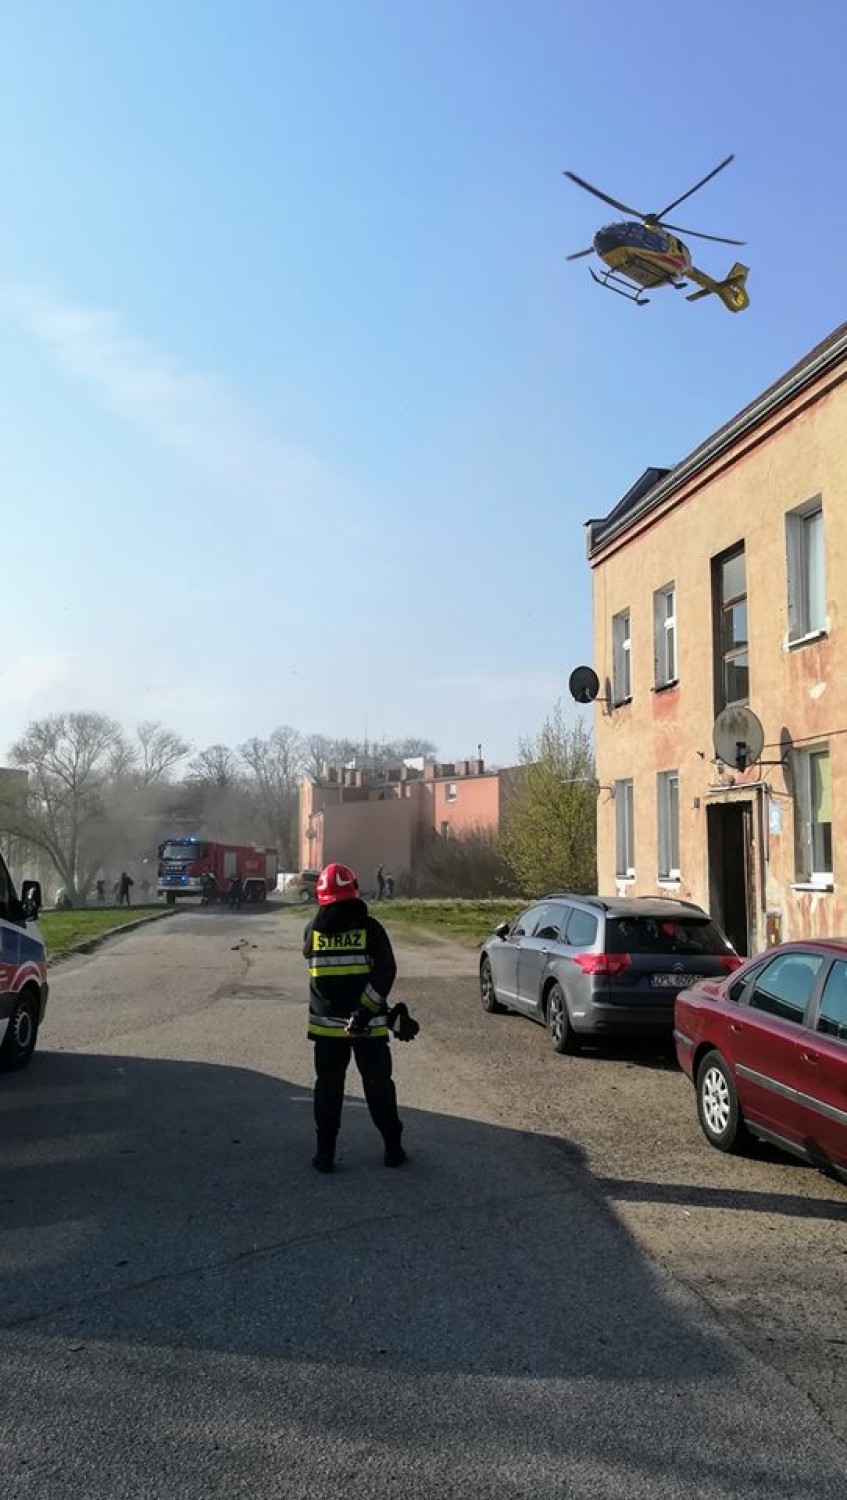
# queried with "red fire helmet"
point(336, 883)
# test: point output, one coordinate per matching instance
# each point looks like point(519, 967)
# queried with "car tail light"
point(730, 961)
point(610, 964)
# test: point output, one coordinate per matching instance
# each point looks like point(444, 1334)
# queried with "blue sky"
point(301, 408)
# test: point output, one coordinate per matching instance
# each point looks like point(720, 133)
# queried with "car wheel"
point(21, 1033)
point(170, 899)
point(559, 1029)
point(717, 1104)
point(488, 994)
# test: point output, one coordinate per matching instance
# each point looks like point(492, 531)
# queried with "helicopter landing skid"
point(616, 283)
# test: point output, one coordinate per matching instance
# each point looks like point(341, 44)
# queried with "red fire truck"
point(183, 862)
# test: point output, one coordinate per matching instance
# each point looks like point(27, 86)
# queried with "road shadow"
point(484, 1301)
point(656, 1052)
point(694, 1195)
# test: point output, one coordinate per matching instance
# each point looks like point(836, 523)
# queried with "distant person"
point(380, 883)
point(101, 892)
point(125, 885)
point(236, 893)
point(208, 888)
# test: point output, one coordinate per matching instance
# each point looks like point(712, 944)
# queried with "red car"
point(766, 1050)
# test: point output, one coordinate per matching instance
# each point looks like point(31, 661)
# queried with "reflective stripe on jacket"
point(351, 967)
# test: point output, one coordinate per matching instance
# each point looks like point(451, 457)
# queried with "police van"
point(23, 971)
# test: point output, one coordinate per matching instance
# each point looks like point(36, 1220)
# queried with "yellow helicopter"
point(642, 252)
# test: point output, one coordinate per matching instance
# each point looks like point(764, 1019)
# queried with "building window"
point(813, 815)
point(729, 583)
point(667, 802)
point(451, 793)
point(624, 831)
point(805, 556)
point(445, 830)
point(621, 658)
point(664, 635)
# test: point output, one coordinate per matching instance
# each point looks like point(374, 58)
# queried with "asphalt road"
point(565, 1293)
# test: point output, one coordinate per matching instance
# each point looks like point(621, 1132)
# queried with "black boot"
point(394, 1156)
point(324, 1158)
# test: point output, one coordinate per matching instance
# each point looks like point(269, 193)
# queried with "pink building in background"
point(370, 818)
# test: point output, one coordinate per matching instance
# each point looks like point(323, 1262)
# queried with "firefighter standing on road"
point(351, 971)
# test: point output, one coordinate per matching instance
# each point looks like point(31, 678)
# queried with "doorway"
point(730, 835)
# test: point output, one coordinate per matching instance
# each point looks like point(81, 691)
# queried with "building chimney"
point(464, 768)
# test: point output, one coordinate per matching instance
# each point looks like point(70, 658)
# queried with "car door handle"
point(545, 952)
point(809, 1057)
point(735, 1026)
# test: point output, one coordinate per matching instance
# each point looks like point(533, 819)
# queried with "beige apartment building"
point(719, 583)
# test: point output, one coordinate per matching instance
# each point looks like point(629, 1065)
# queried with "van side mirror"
point(31, 899)
point(502, 930)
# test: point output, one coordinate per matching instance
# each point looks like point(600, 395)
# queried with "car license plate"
point(674, 981)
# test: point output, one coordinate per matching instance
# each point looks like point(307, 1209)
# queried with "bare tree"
point(159, 751)
point(217, 766)
point(319, 752)
point(69, 760)
point(275, 767)
point(411, 747)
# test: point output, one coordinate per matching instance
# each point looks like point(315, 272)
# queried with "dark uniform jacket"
point(351, 967)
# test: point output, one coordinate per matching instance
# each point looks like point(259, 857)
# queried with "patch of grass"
point(62, 930)
point(468, 921)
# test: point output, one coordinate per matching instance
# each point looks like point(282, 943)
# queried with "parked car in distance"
point(766, 1050)
point(589, 967)
point(305, 885)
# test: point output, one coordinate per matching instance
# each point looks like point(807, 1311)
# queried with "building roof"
point(644, 495)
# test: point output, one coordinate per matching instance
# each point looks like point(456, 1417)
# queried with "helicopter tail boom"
point(732, 290)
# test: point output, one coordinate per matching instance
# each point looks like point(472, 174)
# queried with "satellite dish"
point(584, 684)
point(738, 737)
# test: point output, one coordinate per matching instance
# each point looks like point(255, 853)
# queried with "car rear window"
point(680, 935)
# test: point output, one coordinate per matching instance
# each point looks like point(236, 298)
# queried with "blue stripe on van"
point(17, 947)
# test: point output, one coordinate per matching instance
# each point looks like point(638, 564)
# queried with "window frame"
point(665, 663)
point(798, 558)
point(556, 907)
point(810, 1008)
point(451, 792)
point(721, 608)
point(804, 837)
point(516, 930)
point(625, 828)
point(667, 869)
point(591, 916)
point(622, 657)
point(814, 1018)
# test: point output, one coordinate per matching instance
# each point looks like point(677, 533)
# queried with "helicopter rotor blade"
point(613, 202)
point(720, 239)
point(578, 254)
point(703, 180)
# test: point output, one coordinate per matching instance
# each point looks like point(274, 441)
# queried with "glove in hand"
point(358, 1023)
